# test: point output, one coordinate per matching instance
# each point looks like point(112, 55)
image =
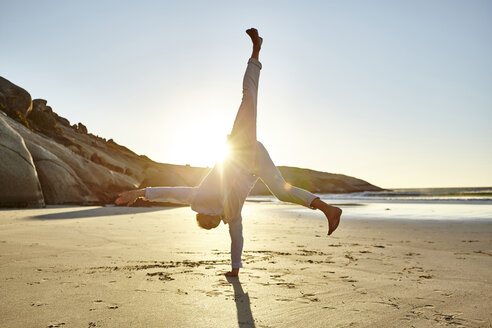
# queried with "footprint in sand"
point(56, 324)
point(163, 276)
point(483, 252)
point(349, 256)
point(449, 319)
point(213, 293)
point(286, 284)
point(110, 306)
point(425, 276)
point(33, 283)
point(181, 292)
point(310, 297)
point(253, 276)
point(36, 304)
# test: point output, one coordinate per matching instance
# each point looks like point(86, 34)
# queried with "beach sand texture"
point(153, 267)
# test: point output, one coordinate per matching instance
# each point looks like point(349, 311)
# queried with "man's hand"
point(233, 273)
point(128, 197)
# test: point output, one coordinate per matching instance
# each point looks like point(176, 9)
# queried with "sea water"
point(419, 204)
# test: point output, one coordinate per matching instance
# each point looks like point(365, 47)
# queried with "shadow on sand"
point(243, 306)
point(97, 212)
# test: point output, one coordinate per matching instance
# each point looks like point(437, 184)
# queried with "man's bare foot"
point(255, 38)
point(233, 273)
point(332, 214)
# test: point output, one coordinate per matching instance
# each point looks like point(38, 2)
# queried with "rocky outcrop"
point(61, 184)
point(81, 128)
point(73, 166)
point(41, 118)
point(13, 99)
point(67, 177)
point(19, 181)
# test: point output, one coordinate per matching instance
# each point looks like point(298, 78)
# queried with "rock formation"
point(44, 159)
point(18, 177)
point(14, 100)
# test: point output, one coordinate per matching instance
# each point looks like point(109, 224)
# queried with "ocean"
point(413, 204)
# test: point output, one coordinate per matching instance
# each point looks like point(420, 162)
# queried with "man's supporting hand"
point(233, 273)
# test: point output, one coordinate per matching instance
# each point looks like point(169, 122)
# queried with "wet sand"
point(153, 267)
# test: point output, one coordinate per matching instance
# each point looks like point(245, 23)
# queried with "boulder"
point(82, 128)
point(42, 119)
point(60, 183)
point(13, 98)
point(19, 185)
point(68, 176)
point(62, 120)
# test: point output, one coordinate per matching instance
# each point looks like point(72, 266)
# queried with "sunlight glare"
point(201, 143)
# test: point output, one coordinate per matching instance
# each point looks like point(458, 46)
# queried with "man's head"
point(206, 221)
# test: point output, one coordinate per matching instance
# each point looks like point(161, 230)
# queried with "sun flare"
point(201, 143)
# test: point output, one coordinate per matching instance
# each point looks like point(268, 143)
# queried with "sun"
point(222, 152)
point(201, 143)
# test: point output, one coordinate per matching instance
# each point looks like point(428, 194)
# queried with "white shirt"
point(224, 190)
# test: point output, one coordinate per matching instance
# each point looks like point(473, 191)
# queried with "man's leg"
point(273, 179)
point(243, 135)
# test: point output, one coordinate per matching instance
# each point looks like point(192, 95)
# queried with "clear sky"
point(398, 93)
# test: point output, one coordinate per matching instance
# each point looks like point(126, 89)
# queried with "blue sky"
point(394, 92)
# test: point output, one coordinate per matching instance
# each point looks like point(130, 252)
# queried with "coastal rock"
point(41, 118)
point(82, 128)
point(68, 177)
point(19, 185)
point(62, 120)
point(14, 99)
point(60, 183)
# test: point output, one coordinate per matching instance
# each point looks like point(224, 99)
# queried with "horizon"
point(404, 88)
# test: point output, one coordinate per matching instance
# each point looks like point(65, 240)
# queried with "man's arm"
point(176, 195)
point(236, 232)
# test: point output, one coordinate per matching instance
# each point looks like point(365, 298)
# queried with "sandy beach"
point(153, 267)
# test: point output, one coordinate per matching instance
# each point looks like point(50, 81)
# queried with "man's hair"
point(206, 221)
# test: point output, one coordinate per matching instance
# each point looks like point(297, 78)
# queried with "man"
point(222, 192)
